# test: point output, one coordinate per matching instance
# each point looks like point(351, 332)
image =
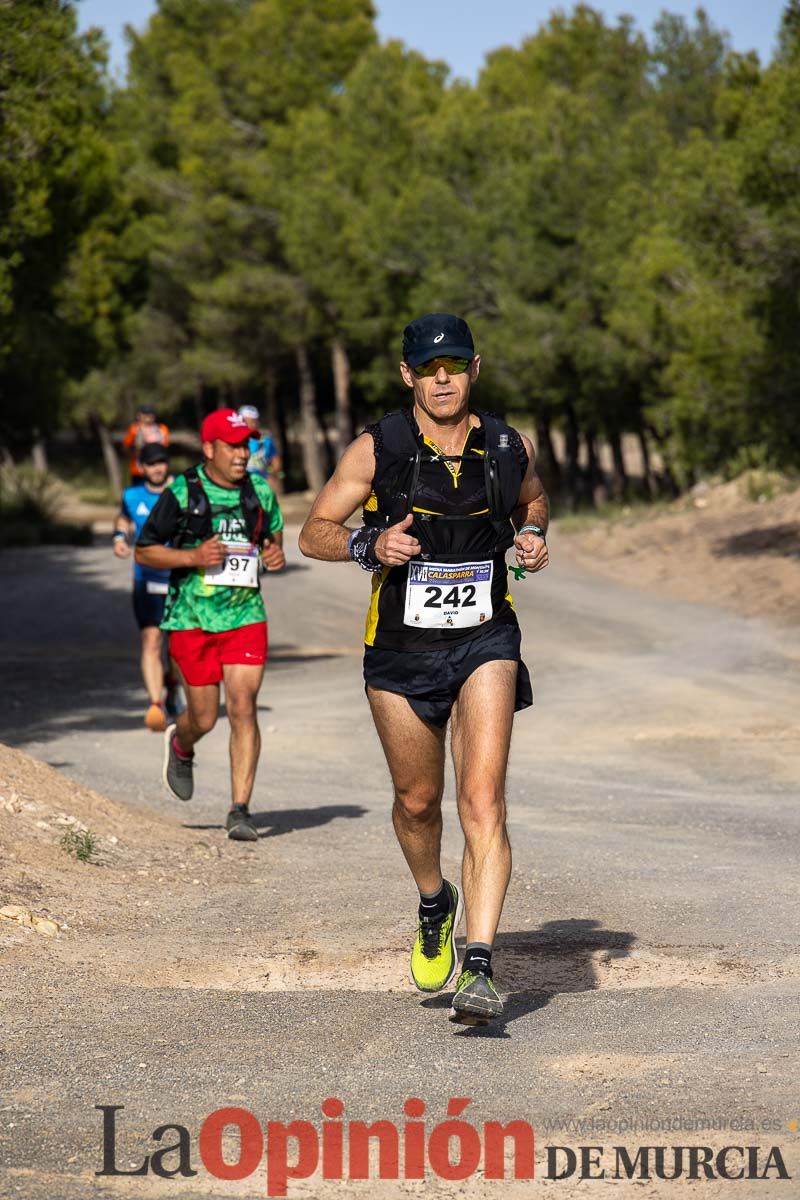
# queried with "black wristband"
point(361, 546)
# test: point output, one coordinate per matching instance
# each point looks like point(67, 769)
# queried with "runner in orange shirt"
point(142, 432)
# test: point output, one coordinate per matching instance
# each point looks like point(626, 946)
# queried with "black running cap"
point(434, 336)
point(153, 453)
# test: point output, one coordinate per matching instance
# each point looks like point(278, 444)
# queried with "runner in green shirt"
point(195, 604)
point(211, 528)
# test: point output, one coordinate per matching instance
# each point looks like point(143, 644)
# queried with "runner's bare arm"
point(208, 554)
point(160, 528)
point(324, 534)
point(120, 545)
point(533, 508)
point(272, 555)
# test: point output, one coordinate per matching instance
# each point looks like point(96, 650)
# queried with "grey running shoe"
point(476, 1001)
point(178, 773)
point(240, 825)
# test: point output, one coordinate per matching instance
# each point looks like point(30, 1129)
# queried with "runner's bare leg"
point(152, 664)
point(242, 682)
point(200, 715)
point(415, 755)
point(481, 737)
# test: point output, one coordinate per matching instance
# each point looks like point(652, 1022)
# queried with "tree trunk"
point(110, 458)
point(572, 447)
point(276, 425)
point(341, 388)
point(668, 474)
point(39, 452)
point(597, 484)
point(548, 467)
point(620, 480)
point(649, 481)
point(197, 398)
point(311, 430)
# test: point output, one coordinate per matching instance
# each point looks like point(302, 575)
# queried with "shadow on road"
point(533, 966)
point(782, 540)
point(69, 645)
point(291, 820)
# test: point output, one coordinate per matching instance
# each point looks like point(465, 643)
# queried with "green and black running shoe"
point(476, 1001)
point(434, 958)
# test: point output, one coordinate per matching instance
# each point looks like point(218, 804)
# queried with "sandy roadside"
point(716, 546)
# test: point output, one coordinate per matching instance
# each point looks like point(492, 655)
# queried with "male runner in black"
point(446, 491)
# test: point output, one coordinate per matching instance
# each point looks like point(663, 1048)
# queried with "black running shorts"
point(148, 607)
point(430, 679)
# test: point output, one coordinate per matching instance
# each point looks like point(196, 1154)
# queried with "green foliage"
point(27, 493)
point(617, 216)
point(29, 506)
point(59, 213)
point(81, 843)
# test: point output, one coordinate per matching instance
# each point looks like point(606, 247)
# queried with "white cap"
point(249, 412)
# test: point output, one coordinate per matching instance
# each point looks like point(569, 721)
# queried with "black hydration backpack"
point(196, 520)
point(399, 456)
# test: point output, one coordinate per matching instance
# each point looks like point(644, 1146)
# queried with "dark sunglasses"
point(453, 366)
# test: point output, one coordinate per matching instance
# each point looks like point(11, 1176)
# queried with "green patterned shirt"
point(192, 603)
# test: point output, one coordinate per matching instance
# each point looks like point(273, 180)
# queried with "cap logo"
point(236, 420)
point(439, 338)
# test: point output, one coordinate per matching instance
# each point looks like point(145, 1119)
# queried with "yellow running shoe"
point(434, 958)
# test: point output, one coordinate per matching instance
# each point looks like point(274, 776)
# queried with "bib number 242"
point(448, 595)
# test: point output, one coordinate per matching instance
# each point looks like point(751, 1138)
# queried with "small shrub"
point(27, 494)
point(80, 843)
point(749, 458)
point(29, 504)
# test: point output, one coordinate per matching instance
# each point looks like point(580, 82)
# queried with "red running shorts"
point(202, 655)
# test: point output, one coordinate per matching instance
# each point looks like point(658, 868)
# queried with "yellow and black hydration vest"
point(462, 505)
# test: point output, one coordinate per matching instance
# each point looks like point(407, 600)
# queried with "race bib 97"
point(448, 595)
point(239, 569)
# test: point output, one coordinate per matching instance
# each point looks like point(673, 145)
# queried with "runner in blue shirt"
point(265, 459)
point(150, 586)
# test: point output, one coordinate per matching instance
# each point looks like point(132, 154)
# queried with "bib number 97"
point(239, 569)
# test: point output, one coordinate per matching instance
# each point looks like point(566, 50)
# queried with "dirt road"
point(649, 946)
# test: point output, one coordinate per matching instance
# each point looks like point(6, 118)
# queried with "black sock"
point(477, 957)
point(240, 808)
point(435, 905)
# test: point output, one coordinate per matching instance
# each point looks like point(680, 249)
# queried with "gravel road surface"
point(649, 948)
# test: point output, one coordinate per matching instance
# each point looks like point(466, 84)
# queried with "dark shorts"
point(148, 607)
point(430, 679)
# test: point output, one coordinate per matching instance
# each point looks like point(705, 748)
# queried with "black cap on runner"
point(436, 335)
point(153, 452)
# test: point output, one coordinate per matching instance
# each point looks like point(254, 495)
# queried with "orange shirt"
point(137, 436)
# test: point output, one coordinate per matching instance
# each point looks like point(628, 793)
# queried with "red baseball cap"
point(226, 425)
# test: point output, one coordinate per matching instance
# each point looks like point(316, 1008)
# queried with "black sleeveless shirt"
point(453, 490)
